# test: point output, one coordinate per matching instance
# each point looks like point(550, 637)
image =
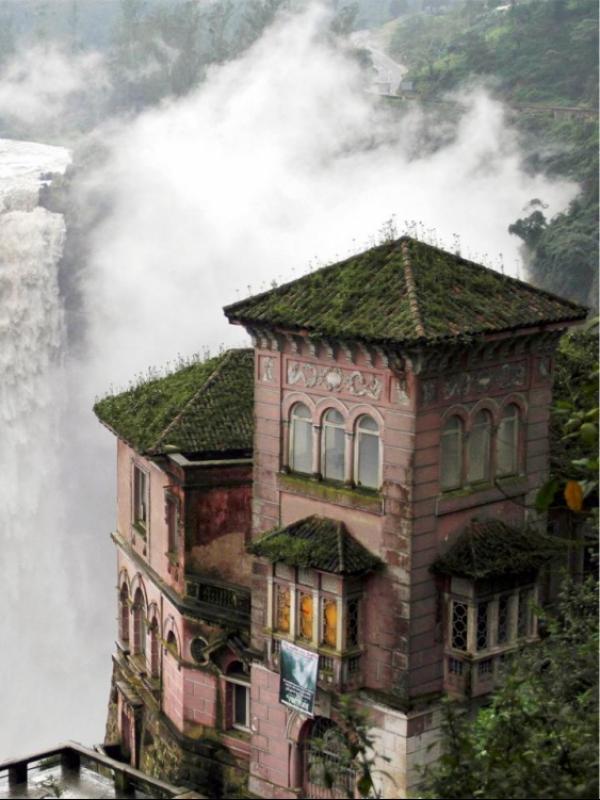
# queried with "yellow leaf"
point(574, 495)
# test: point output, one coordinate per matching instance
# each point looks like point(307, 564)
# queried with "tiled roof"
point(204, 407)
point(402, 292)
point(491, 548)
point(317, 543)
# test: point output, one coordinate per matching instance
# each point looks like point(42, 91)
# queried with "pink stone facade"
point(399, 650)
point(404, 624)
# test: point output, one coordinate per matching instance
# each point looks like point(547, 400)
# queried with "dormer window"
point(315, 594)
point(300, 439)
point(366, 468)
point(488, 580)
point(333, 460)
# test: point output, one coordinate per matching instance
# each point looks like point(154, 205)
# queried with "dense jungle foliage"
point(540, 57)
point(538, 736)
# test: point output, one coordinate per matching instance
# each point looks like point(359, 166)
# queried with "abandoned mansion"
point(346, 508)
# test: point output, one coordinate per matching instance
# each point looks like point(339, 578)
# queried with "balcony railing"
point(223, 599)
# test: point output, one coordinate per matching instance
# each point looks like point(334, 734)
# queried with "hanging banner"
point(298, 677)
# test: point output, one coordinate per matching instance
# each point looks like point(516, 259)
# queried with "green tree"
point(537, 738)
point(354, 745)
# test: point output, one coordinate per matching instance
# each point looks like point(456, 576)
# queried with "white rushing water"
point(38, 625)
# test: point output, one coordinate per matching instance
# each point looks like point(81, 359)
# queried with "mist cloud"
point(41, 83)
point(278, 160)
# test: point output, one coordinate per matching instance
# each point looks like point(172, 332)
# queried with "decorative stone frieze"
point(357, 383)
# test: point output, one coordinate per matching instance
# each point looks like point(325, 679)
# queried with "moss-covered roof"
point(401, 292)
point(491, 549)
point(205, 407)
point(316, 543)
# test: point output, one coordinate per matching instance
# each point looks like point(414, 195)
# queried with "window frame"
point(293, 421)
point(320, 595)
point(484, 428)
point(172, 502)
point(141, 524)
point(467, 429)
point(515, 443)
point(361, 432)
point(492, 599)
point(231, 683)
point(326, 425)
point(444, 435)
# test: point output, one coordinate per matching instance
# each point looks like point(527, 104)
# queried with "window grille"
point(459, 625)
point(352, 610)
point(503, 605)
point(482, 625)
point(353, 665)
point(485, 667)
point(455, 666)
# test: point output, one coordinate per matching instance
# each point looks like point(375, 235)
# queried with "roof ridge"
point(411, 288)
point(211, 378)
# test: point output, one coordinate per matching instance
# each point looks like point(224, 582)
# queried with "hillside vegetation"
point(540, 57)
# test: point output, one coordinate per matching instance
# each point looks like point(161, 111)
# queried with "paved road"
point(387, 70)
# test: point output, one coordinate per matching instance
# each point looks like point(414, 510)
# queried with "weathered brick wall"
point(522, 379)
point(270, 750)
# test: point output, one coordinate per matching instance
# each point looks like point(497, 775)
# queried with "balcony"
point(217, 600)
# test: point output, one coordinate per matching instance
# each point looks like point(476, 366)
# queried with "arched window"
point(333, 450)
point(139, 623)
point(507, 446)
point(172, 643)
point(300, 459)
point(154, 648)
point(366, 465)
point(326, 773)
point(124, 616)
point(480, 438)
point(452, 454)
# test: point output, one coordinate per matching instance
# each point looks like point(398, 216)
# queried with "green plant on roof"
point(202, 406)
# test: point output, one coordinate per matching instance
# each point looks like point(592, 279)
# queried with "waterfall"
point(37, 626)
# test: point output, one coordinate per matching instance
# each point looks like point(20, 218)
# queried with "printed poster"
point(298, 677)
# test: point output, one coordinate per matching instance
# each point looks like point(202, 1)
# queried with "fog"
point(279, 162)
